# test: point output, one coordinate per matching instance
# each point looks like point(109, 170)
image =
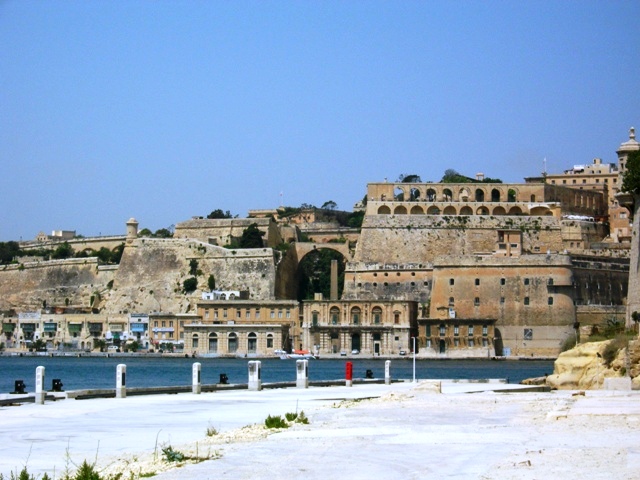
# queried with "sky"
point(165, 110)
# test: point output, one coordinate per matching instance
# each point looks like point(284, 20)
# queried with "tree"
point(211, 282)
point(412, 178)
point(8, 250)
point(62, 251)
point(193, 266)
point(330, 205)
point(163, 233)
point(190, 285)
point(218, 213)
point(251, 237)
point(145, 232)
point(631, 177)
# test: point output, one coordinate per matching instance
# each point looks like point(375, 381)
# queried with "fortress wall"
point(26, 286)
point(152, 272)
point(222, 231)
point(421, 238)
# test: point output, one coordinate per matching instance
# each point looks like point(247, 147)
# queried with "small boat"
point(297, 355)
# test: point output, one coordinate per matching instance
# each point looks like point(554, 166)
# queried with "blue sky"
point(162, 110)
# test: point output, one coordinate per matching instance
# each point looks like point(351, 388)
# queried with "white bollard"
point(121, 381)
point(387, 372)
point(40, 392)
point(255, 381)
point(302, 373)
point(196, 385)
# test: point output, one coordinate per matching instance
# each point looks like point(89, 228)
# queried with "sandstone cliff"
point(589, 364)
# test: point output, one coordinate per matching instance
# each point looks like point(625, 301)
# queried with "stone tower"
point(132, 230)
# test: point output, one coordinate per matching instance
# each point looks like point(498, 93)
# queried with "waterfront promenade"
point(402, 430)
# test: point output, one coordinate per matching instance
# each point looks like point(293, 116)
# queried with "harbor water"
point(79, 373)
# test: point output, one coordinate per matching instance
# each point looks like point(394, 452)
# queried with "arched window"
point(495, 195)
point(252, 342)
point(269, 340)
point(334, 315)
point(398, 194)
point(376, 314)
point(384, 210)
point(194, 341)
point(232, 342)
point(431, 195)
point(447, 195)
point(213, 343)
point(356, 315)
point(414, 195)
point(479, 195)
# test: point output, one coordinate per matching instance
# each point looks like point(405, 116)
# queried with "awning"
point(75, 327)
point(138, 327)
point(8, 327)
point(28, 327)
point(50, 327)
point(95, 327)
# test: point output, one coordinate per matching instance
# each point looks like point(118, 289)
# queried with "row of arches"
point(232, 342)
point(461, 210)
point(454, 194)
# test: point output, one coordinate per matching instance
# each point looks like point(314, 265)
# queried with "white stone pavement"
point(404, 430)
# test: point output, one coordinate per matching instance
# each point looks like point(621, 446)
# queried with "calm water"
point(100, 372)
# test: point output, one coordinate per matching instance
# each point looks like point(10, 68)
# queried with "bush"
point(275, 422)
point(610, 352)
point(190, 285)
point(171, 455)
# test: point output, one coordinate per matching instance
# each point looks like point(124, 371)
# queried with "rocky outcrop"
point(589, 364)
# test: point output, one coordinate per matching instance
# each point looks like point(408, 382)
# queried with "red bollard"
point(349, 374)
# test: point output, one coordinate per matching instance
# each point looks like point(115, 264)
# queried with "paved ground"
point(400, 431)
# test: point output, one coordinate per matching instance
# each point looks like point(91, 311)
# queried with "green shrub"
point(275, 422)
point(171, 455)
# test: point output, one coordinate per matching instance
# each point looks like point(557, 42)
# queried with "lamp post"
point(414, 359)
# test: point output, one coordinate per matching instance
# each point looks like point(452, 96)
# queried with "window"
point(273, 313)
point(232, 342)
point(485, 330)
point(252, 342)
point(257, 313)
point(247, 313)
point(334, 312)
point(428, 331)
point(470, 330)
point(194, 340)
point(215, 313)
point(526, 281)
point(550, 301)
point(550, 281)
point(501, 300)
point(451, 281)
point(314, 319)
point(288, 313)
point(451, 301)
point(526, 300)
point(456, 342)
point(206, 313)
point(443, 330)
point(280, 313)
point(396, 318)
point(164, 323)
point(224, 313)
point(269, 340)
point(171, 323)
point(456, 330)
point(238, 313)
point(471, 342)
point(476, 301)
point(503, 281)
point(477, 282)
point(377, 316)
point(355, 316)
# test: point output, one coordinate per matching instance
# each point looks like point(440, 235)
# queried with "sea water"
point(78, 373)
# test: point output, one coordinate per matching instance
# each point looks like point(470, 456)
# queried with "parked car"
point(343, 353)
point(403, 352)
point(355, 352)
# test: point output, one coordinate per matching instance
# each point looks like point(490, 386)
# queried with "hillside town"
point(468, 267)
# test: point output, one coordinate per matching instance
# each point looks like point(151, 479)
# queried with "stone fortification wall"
point(388, 281)
point(152, 272)
point(78, 244)
point(31, 285)
point(421, 238)
point(223, 231)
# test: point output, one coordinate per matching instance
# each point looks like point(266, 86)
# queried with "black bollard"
point(19, 387)
point(224, 379)
point(368, 374)
point(56, 385)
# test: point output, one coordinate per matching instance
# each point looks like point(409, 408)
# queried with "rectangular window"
point(451, 281)
point(314, 319)
point(280, 313)
point(526, 300)
point(238, 313)
point(501, 300)
point(273, 313)
point(503, 281)
point(269, 342)
point(171, 324)
point(471, 330)
point(257, 313)
point(443, 330)
point(428, 332)
point(485, 330)
point(526, 281)
point(476, 301)
point(456, 330)
point(206, 314)
point(215, 313)
point(288, 313)
point(224, 313)
point(550, 301)
point(477, 282)
point(247, 313)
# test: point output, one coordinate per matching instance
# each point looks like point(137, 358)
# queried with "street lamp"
point(414, 359)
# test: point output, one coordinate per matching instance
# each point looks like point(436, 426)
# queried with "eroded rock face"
point(587, 365)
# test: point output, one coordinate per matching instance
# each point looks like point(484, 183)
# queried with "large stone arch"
point(449, 210)
point(466, 210)
point(515, 211)
point(447, 195)
point(313, 273)
point(433, 210)
point(480, 194)
point(464, 195)
point(384, 210)
point(416, 210)
point(495, 195)
point(399, 195)
point(482, 210)
point(499, 211)
point(414, 194)
point(540, 211)
point(400, 210)
point(431, 195)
